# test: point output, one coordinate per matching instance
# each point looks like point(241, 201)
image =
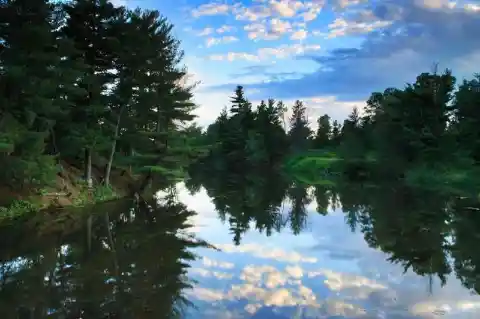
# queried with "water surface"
point(248, 249)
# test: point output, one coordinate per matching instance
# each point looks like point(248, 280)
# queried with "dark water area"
point(248, 247)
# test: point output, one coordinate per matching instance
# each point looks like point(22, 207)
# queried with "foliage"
point(85, 80)
point(425, 133)
point(17, 208)
point(98, 193)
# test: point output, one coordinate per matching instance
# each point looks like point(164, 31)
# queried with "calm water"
point(248, 250)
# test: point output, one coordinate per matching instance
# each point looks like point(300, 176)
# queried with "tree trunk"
point(131, 153)
point(88, 167)
point(112, 247)
point(112, 151)
point(89, 232)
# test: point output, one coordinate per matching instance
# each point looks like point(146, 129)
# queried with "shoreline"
point(68, 190)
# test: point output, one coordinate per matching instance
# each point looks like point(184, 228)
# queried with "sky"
point(331, 54)
point(326, 271)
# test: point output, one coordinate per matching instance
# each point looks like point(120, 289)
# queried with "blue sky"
point(329, 53)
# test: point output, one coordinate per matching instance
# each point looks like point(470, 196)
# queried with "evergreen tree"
point(324, 132)
point(90, 26)
point(299, 132)
point(467, 117)
point(32, 81)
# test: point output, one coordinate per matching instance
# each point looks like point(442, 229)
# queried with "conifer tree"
point(32, 70)
point(322, 138)
point(299, 132)
point(90, 26)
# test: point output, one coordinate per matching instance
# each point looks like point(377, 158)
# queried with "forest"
point(425, 134)
point(96, 96)
point(93, 89)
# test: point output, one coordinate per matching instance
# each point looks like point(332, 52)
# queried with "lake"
point(242, 248)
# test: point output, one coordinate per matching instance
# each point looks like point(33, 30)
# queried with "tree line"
point(86, 80)
point(427, 123)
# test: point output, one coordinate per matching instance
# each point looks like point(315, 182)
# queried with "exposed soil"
point(68, 186)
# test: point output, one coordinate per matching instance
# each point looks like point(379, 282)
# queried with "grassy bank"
point(317, 167)
point(68, 190)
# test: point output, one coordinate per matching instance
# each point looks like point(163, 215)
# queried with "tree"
point(324, 132)
point(33, 80)
point(466, 125)
point(90, 26)
point(299, 132)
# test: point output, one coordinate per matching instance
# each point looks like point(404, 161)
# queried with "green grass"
point(97, 194)
point(312, 160)
point(463, 181)
point(314, 167)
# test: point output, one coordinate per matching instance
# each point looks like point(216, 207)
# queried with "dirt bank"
point(70, 189)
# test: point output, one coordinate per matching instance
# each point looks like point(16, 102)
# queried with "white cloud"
point(286, 8)
point(208, 273)
point(337, 110)
point(294, 271)
point(432, 4)
point(119, 3)
point(221, 40)
point(258, 296)
point(344, 309)
point(210, 9)
point(299, 35)
point(311, 14)
point(280, 52)
point(268, 275)
point(252, 308)
point(278, 26)
point(206, 31)
point(358, 287)
point(225, 28)
point(217, 264)
point(341, 27)
point(275, 279)
point(272, 29)
point(342, 4)
point(232, 56)
point(285, 51)
point(206, 294)
point(253, 13)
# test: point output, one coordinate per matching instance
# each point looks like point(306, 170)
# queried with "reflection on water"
point(285, 250)
point(125, 260)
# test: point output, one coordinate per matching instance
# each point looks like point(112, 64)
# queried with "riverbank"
point(318, 167)
point(68, 190)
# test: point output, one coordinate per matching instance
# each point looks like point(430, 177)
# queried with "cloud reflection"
point(283, 277)
point(267, 252)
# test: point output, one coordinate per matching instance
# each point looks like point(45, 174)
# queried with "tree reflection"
point(245, 199)
point(134, 267)
point(420, 229)
point(465, 235)
point(410, 225)
point(299, 198)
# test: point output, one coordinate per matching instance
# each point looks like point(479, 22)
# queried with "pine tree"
point(467, 117)
point(323, 136)
point(32, 69)
point(299, 132)
point(90, 26)
point(162, 104)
